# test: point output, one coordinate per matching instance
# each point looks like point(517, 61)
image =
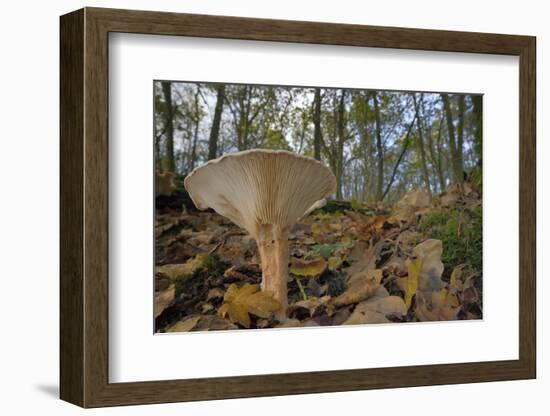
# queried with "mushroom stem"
point(273, 248)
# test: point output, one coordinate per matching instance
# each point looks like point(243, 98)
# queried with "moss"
point(208, 265)
point(460, 230)
point(211, 264)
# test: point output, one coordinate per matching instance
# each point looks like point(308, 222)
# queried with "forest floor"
point(417, 260)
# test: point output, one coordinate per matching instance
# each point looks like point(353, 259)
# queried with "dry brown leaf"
point(363, 262)
point(456, 281)
point(366, 317)
point(214, 294)
point(175, 270)
point(429, 312)
point(214, 323)
point(310, 308)
point(363, 287)
point(163, 299)
point(444, 298)
point(429, 253)
point(389, 305)
point(422, 312)
point(289, 323)
point(415, 199)
point(184, 326)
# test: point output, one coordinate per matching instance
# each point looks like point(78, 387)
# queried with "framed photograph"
point(255, 207)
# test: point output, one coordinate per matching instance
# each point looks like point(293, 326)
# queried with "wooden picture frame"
point(84, 207)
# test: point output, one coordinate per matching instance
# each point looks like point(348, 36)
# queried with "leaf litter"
point(350, 264)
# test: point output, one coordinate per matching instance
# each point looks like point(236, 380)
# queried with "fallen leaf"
point(415, 199)
point(214, 323)
point(163, 299)
point(365, 262)
point(444, 298)
point(241, 302)
point(449, 199)
point(363, 287)
point(214, 294)
point(162, 282)
point(184, 326)
point(414, 267)
point(422, 312)
point(428, 311)
point(389, 305)
point(308, 268)
point(366, 317)
point(429, 252)
point(178, 270)
point(309, 308)
point(289, 323)
point(456, 281)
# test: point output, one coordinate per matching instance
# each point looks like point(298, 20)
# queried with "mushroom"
point(265, 192)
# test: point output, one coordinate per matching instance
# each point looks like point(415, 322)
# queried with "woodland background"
point(379, 144)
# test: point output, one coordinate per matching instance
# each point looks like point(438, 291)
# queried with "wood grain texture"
point(71, 99)
point(84, 206)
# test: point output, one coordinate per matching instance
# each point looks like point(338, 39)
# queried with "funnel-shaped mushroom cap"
point(259, 187)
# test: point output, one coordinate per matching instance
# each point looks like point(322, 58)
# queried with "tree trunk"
point(478, 132)
point(436, 156)
point(158, 159)
point(197, 120)
point(170, 165)
point(455, 168)
point(317, 135)
point(425, 172)
point(340, 145)
point(215, 130)
point(399, 159)
point(460, 136)
point(379, 149)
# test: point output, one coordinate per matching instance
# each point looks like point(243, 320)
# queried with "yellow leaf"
point(414, 267)
point(261, 304)
point(308, 268)
point(246, 300)
point(239, 315)
point(224, 309)
point(184, 326)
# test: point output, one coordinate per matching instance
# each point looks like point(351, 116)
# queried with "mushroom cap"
point(260, 187)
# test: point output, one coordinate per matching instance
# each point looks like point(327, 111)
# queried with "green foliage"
point(460, 230)
point(355, 204)
point(476, 177)
point(275, 140)
point(211, 264)
point(324, 250)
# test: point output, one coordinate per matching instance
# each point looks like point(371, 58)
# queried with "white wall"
point(29, 207)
